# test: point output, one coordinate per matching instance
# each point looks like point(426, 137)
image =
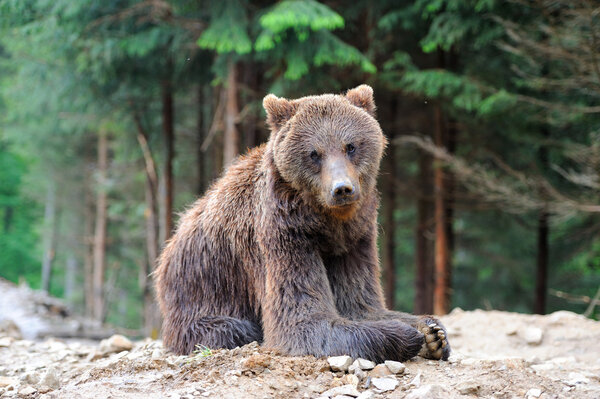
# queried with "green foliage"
point(299, 15)
point(228, 29)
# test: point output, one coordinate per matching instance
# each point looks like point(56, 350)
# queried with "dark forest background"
point(116, 114)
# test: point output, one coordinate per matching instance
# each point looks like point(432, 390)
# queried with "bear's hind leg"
point(213, 332)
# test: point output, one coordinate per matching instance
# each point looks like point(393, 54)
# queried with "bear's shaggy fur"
point(282, 249)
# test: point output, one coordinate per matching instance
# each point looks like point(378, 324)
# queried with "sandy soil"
point(495, 355)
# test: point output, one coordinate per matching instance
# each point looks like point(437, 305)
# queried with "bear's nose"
point(342, 189)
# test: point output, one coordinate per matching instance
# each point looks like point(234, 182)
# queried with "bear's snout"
point(340, 182)
point(343, 192)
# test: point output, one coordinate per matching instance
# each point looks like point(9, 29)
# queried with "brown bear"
point(283, 248)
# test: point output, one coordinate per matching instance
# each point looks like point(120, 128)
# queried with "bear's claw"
point(436, 344)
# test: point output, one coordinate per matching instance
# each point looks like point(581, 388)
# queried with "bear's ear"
point(279, 110)
point(362, 97)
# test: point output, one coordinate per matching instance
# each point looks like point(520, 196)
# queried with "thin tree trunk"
point(70, 277)
point(100, 231)
point(441, 294)
point(389, 273)
point(169, 140)
point(424, 276)
point(231, 136)
point(250, 119)
point(8, 217)
point(541, 281)
point(49, 235)
point(151, 313)
point(200, 130)
point(88, 258)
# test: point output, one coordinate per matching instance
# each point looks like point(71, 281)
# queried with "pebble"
point(385, 384)
point(339, 363)
point(395, 367)
point(351, 379)
point(156, 354)
point(533, 393)
point(577, 378)
point(50, 378)
point(116, 343)
point(27, 390)
point(468, 387)
point(416, 382)
point(532, 335)
point(5, 342)
point(364, 364)
point(366, 395)
point(380, 370)
point(8, 381)
point(348, 390)
point(428, 392)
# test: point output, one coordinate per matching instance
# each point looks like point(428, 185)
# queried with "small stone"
point(30, 378)
point(339, 363)
point(468, 388)
point(348, 390)
point(27, 390)
point(395, 367)
point(543, 366)
point(533, 393)
point(95, 355)
point(364, 364)
point(577, 378)
point(380, 370)
point(50, 378)
point(416, 382)
point(116, 343)
point(385, 384)
point(156, 354)
point(8, 381)
point(351, 379)
point(366, 395)
point(342, 397)
point(5, 342)
point(532, 335)
point(428, 392)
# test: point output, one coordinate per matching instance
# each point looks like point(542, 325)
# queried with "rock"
point(30, 378)
point(8, 381)
point(395, 367)
point(577, 378)
point(95, 355)
point(380, 370)
point(27, 390)
point(348, 390)
point(342, 397)
point(416, 382)
point(385, 384)
point(543, 366)
point(468, 388)
point(10, 329)
point(428, 392)
point(156, 354)
point(363, 364)
point(5, 342)
point(533, 393)
point(339, 363)
point(50, 378)
point(532, 335)
point(351, 379)
point(116, 343)
point(366, 395)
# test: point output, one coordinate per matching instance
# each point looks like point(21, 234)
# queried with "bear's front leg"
point(299, 313)
point(355, 284)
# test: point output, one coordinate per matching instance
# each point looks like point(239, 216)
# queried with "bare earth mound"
point(495, 355)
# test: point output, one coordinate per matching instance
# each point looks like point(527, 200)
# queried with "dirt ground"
point(495, 355)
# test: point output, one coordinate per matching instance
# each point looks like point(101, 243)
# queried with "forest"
point(115, 115)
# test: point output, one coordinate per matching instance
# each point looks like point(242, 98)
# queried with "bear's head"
point(328, 146)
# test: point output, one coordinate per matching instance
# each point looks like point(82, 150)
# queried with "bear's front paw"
point(436, 344)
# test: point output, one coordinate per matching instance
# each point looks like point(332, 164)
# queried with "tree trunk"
point(151, 313)
point(49, 235)
point(541, 281)
point(70, 277)
point(169, 140)
point(424, 276)
point(387, 239)
point(100, 231)
point(88, 259)
point(441, 294)
point(231, 136)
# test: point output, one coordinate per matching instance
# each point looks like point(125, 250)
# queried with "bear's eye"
point(314, 155)
point(350, 148)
